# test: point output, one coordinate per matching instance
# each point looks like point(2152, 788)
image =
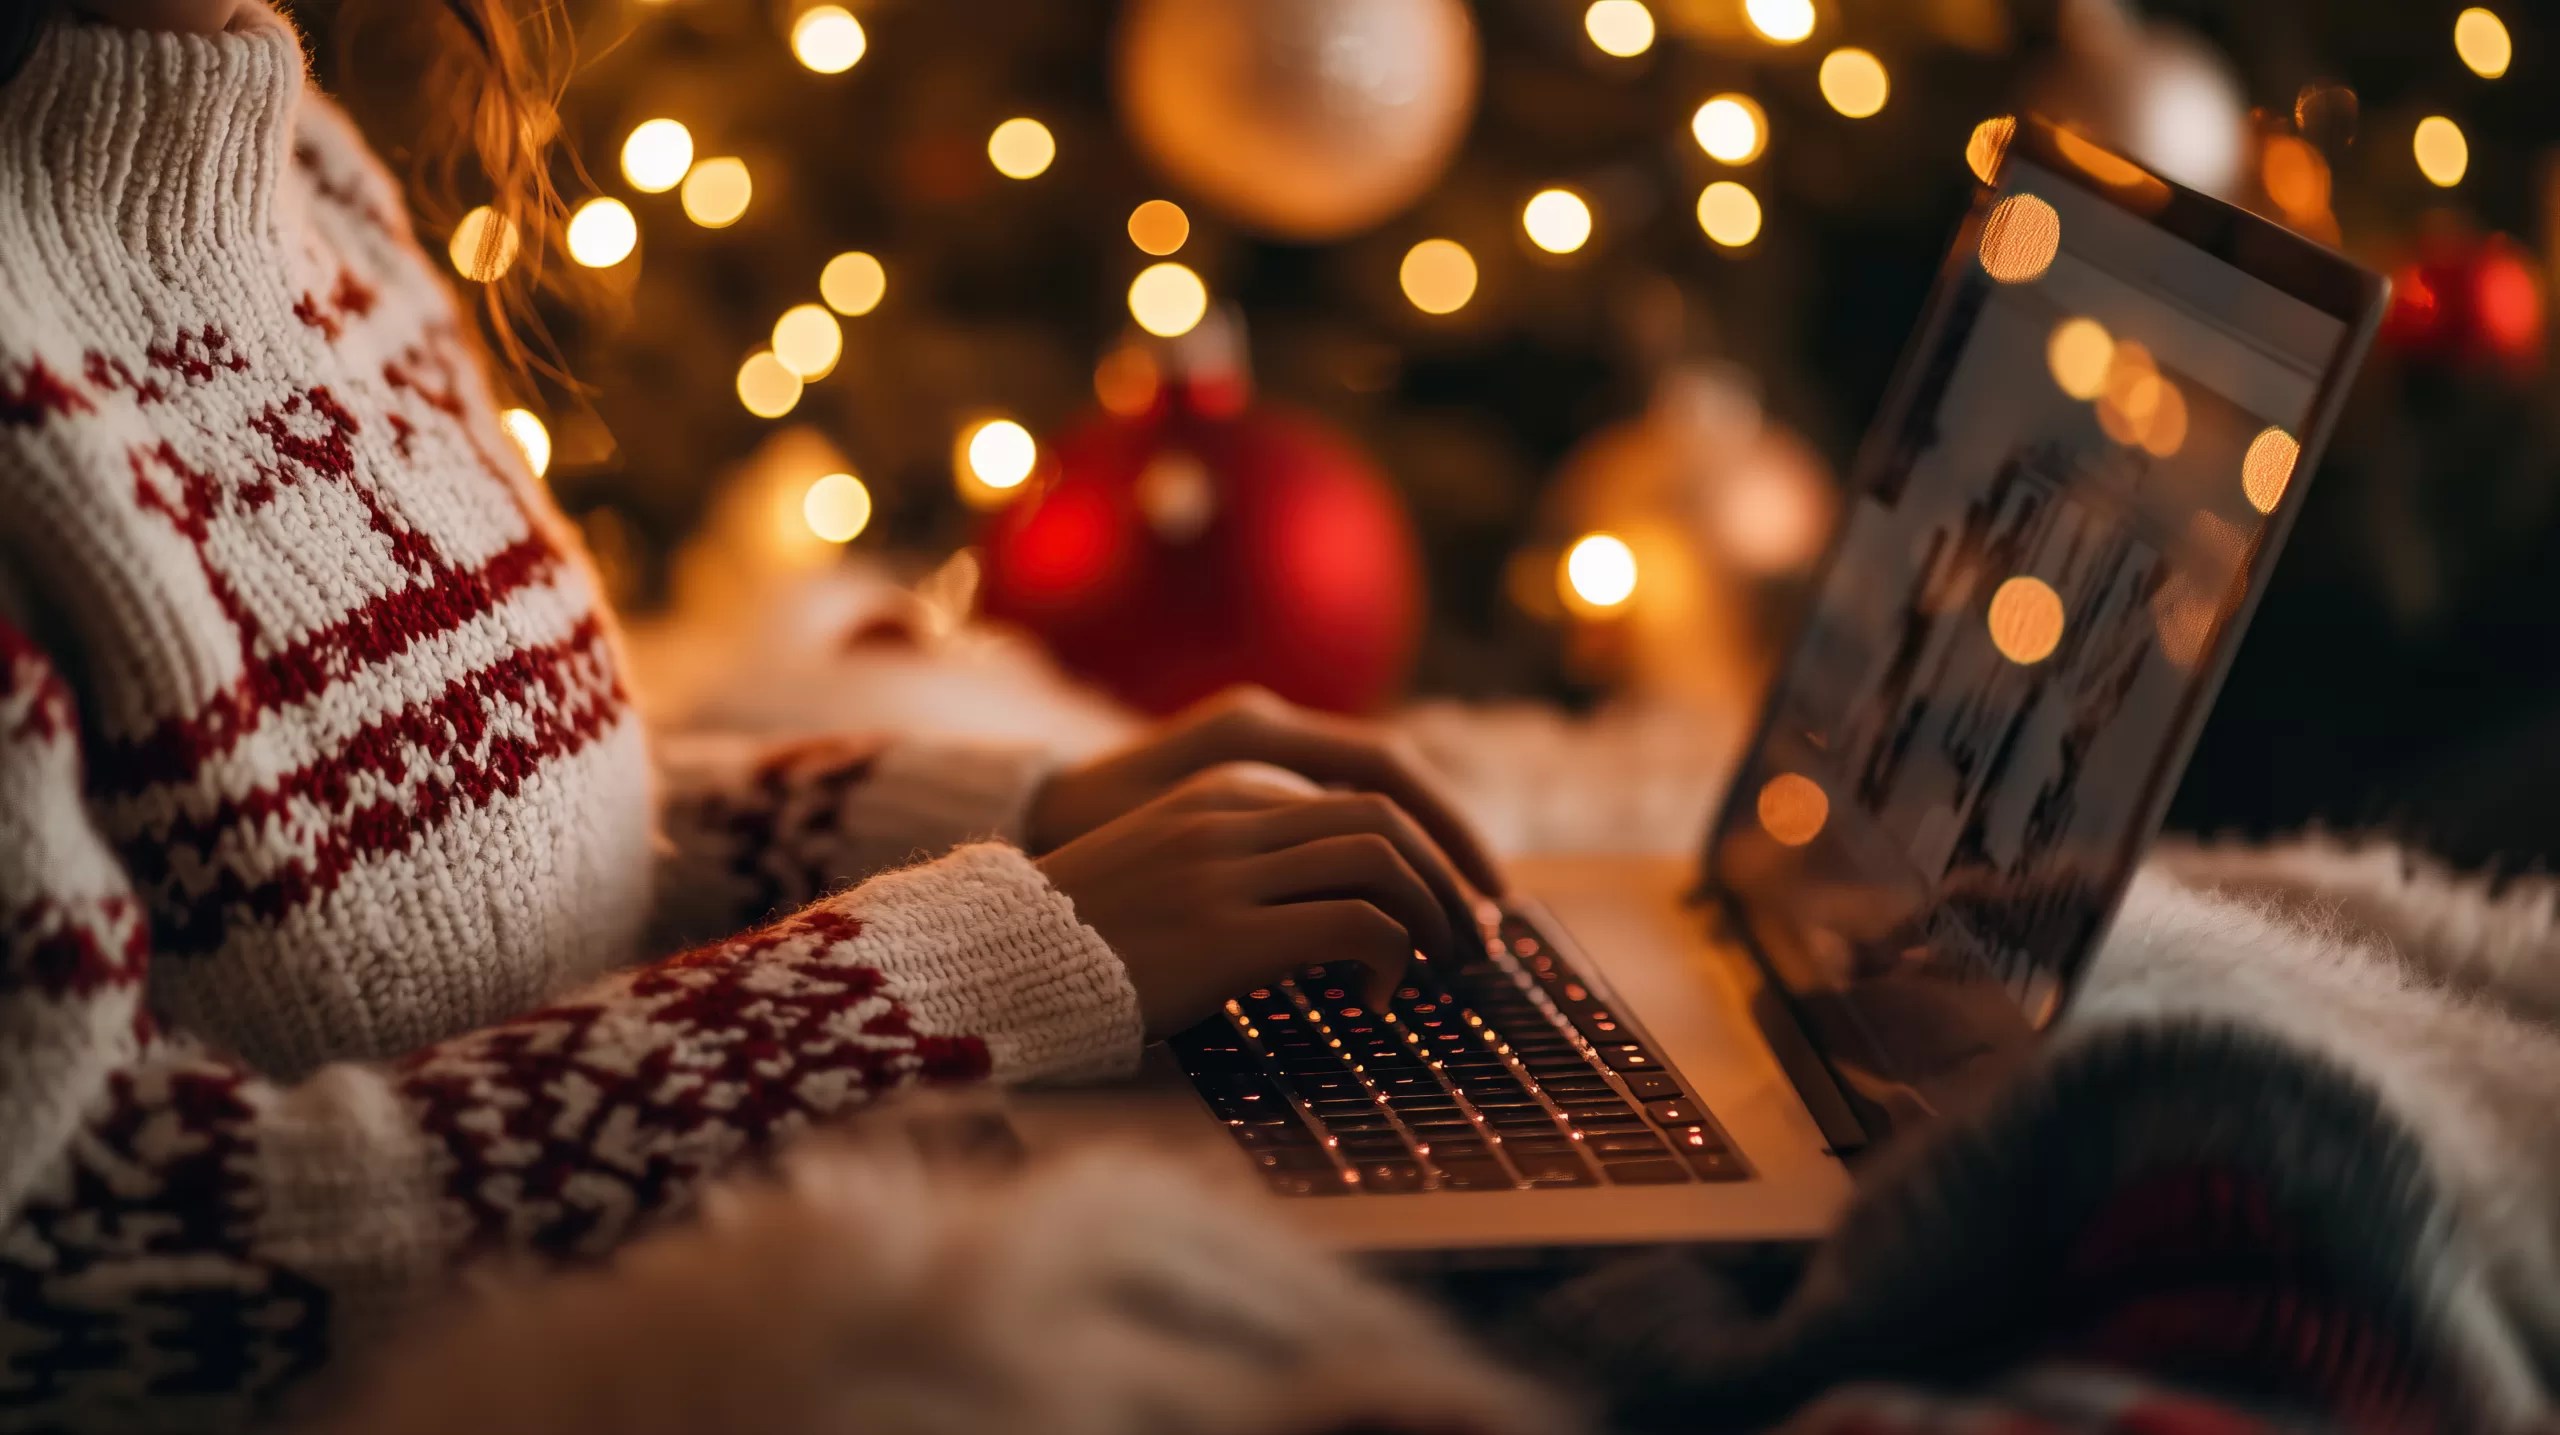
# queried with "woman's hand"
point(1246, 873)
point(1249, 725)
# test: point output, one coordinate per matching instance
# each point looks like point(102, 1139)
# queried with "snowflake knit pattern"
point(327, 876)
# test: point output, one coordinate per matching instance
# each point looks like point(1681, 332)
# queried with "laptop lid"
point(2055, 533)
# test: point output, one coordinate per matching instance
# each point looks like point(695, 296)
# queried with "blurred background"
point(1501, 351)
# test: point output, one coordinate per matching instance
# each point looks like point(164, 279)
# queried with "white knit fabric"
point(315, 749)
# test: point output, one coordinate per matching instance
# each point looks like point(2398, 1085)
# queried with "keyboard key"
point(1583, 1080)
point(1716, 1165)
point(1566, 1170)
point(1294, 1158)
point(1309, 1183)
point(1442, 1130)
point(1521, 1123)
point(1627, 1056)
point(1374, 1146)
point(1472, 1175)
point(1652, 1086)
point(1520, 1146)
point(1328, 1085)
point(1259, 1134)
point(1390, 1178)
point(1347, 1126)
point(1697, 1138)
point(1425, 1085)
point(1624, 1144)
point(1644, 1173)
point(1608, 1123)
point(1678, 1112)
point(1458, 1147)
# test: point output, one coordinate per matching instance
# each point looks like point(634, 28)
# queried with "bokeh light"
point(1731, 128)
point(2296, 176)
point(1001, 453)
point(1438, 275)
point(1619, 27)
point(2025, 619)
point(1599, 573)
point(1126, 380)
point(2020, 239)
point(1854, 82)
point(828, 39)
point(837, 507)
point(809, 340)
point(1168, 300)
point(2268, 467)
point(484, 245)
point(2131, 394)
point(1729, 213)
point(531, 438)
point(602, 233)
point(656, 156)
point(1793, 808)
point(1989, 145)
point(853, 283)
point(1159, 227)
point(2444, 156)
point(1557, 220)
point(716, 192)
point(2078, 354)
point(767, 386)
point(1782, 22)
point(2481, 39)
point(1022, 148)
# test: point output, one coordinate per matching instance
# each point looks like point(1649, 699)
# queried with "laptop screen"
point(2047, 546)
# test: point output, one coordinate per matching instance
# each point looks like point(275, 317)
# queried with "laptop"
point(2054, 536)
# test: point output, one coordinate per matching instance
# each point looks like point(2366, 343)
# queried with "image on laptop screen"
point(2016, 633)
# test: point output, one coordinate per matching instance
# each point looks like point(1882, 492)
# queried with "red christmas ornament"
point(2468, 300)
point(1205, 543)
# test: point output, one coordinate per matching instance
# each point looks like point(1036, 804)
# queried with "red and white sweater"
point(327, 871)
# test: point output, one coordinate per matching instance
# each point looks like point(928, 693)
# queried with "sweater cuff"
point(986, 947)
point(935, 795)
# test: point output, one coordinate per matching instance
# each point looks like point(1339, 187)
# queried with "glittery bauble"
point(1307, 119)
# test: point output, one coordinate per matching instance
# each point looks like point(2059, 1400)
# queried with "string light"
point(484, 245)
point(1557, 221)
point(656, 156)
point(1021, 148)
point(1159, 227)
point(1793, 808)
point(1989, 145)
point(767, 386)
point(2025, 620)
point(531, 438)
point(1438, 275)
point(2268, 467)
point(1729, 213)
point(1781, 22)
point(837, 507)
point(2020, 239)
point(1854, 82)
point(2079, 354)
point(1599, 573)
point(716, 192)
point(994, 459)
point(853, 283)
point(2481, 39)
point(828, 39)
point(1167, 300)
point(1731, 128)
point(602, 233)
point(808, 341)
point(2444, 156)
point(1622, 28)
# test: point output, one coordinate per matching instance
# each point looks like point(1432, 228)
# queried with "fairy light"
point(1599, 573)
point(602, 233)
point(1989, 145)
point(828, 39)
point(1731, 128)
point(1729, 213)
point(767, 386)
point(1793, 808)
point(2079, 354)
point(1781, 22)
point(1021, 148)
point(808, 340)
point(1438, 275)
point(2025, 620)
point(2268, 467)
point(2020, 239)
point(1557, 220)
point(853, 283)
point(656, 156)
point(2444, 156)
point(993, 459)
point(1168, 300)
point(484, 245)
point(1854, 81)
point(531, 438)
point(1159, 227)
point(2481, 39)
point(716, 192)
point(837, 507)
point(1622, 28)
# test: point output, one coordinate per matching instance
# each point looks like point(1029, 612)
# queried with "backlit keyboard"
point(1506, 1074)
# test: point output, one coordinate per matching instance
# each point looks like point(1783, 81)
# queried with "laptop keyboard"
point(1505, 1074)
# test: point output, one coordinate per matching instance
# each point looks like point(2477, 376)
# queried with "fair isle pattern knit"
point(326, 828)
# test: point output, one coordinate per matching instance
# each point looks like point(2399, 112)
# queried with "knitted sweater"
point(326, 854)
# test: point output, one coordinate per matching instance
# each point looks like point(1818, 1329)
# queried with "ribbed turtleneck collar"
point(171, 145)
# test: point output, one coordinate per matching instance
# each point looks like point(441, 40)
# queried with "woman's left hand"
point(1250, 725)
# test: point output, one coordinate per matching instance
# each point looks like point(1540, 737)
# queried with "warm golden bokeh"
point(1022, 148)
point(1159, 227)
point(767, 386)
point(716, 192)
point(1125, 381)
point(1782, 22)
point(2079, 355)
point(483, 246)
point(837, 507)
point(1619, 27)
point(1989, 145)
point(2297, 178)
point(853, 283)
point(809, 340)
point(1793, 808)
point(2481, 39)
point(2025, 620)
point(656, 156)
point(1731, 128)
point(2131, 395)
point(531, 438)
point(1556, 220)
point(602, 233)
point(1598, 573)
point(1168, 300)
point(1854, 82)
point(2020, 239)
point(828, 39)
point(1729, 213)
point(1438, 275)
point(2268, 467)
point(2444, 156)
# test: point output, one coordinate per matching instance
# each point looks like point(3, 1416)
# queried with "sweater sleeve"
point(181, 1238)
point(754, 827)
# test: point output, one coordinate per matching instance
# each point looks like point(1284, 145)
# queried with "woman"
point(320, 783)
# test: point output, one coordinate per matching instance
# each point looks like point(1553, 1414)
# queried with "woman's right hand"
point(1246, 873)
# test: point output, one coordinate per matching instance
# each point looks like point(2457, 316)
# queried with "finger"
point(1340, 753)
point(1363, 865)
point(1239, 787)
point(1345, 814)
point(1304, 934)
